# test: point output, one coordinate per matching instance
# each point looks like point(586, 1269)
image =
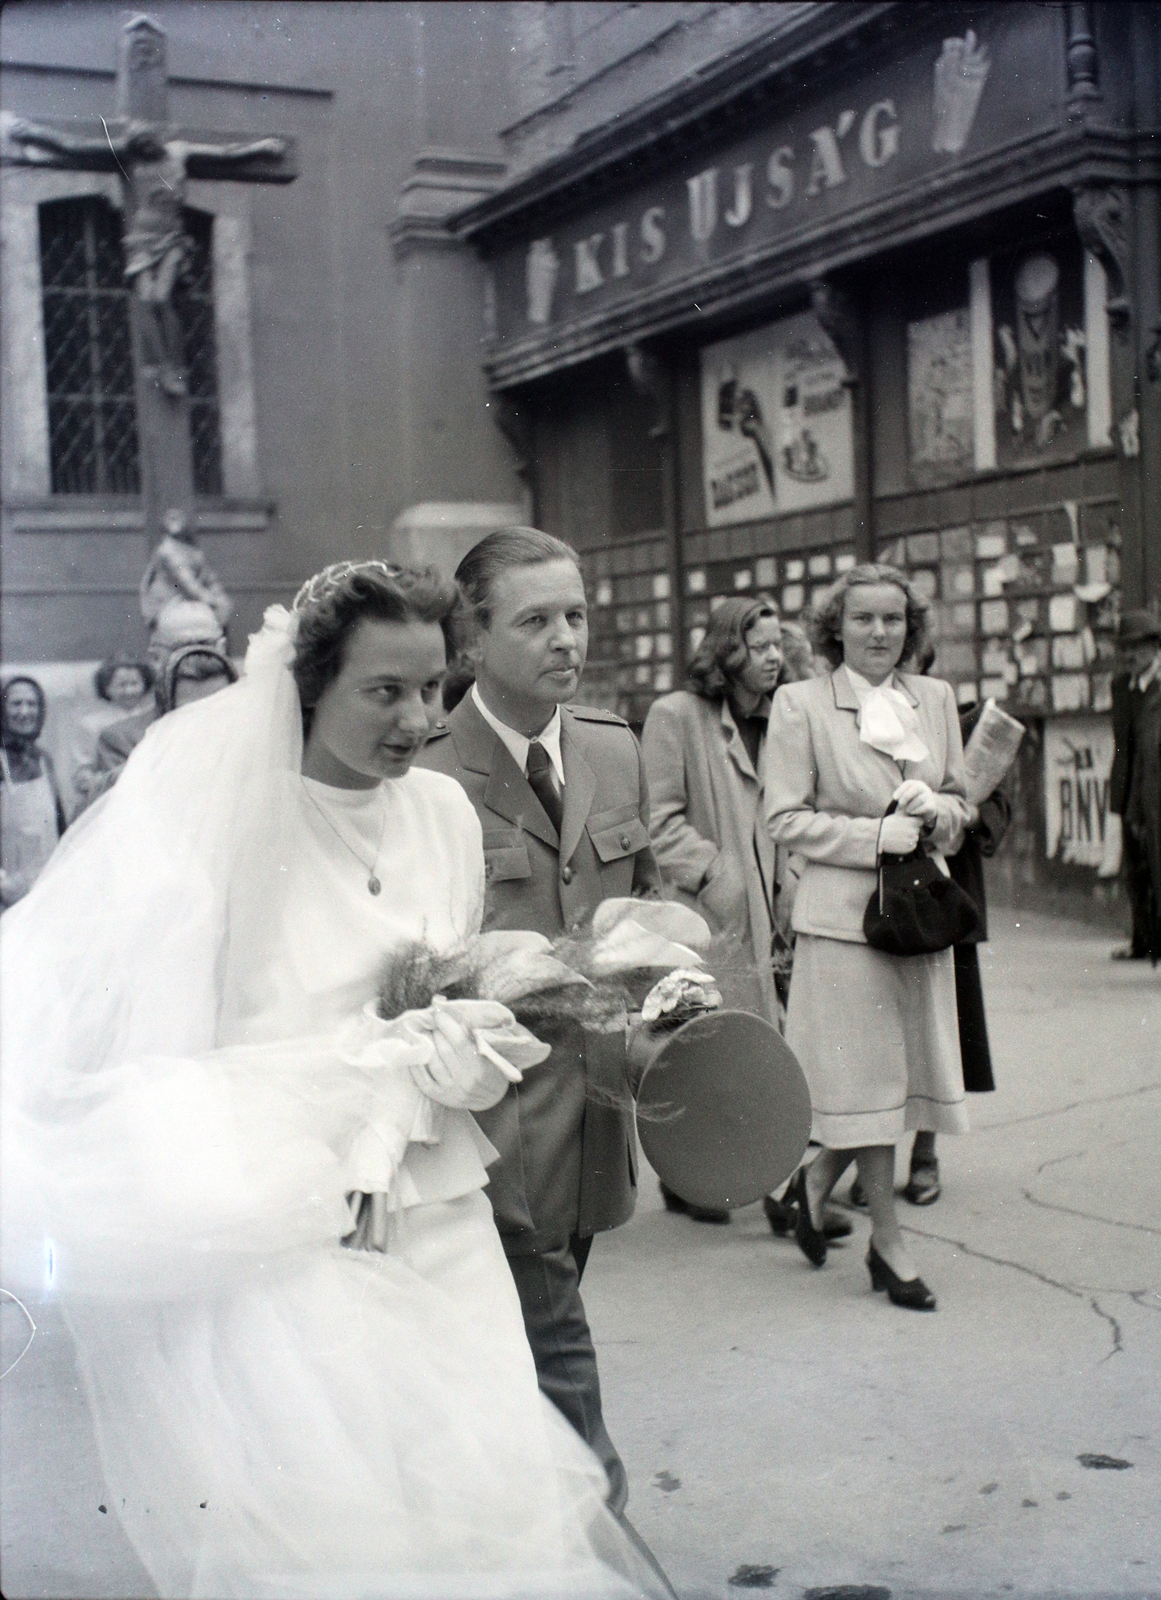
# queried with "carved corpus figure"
point(157, 248)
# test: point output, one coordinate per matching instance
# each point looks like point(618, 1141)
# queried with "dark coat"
point(983, 838)
point(1123, 701)
point(1142, 815)
point(568, 1162)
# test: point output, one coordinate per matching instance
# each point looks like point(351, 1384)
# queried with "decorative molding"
point(442, 183)
point(1102, 220)
point(649, 378)
point(840, 322)
point(65, 514)
point(1081, 58)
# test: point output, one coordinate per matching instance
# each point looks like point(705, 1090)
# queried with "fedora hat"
point(1138, 627)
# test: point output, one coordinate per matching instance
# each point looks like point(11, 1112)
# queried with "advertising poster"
point(776, 423)
point(939, 396)
point(1078, 758)
point(1040, 357)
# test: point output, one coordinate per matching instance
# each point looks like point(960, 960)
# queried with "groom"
point(562, 799)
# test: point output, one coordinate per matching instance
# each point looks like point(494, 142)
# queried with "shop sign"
point(920, 118)
point(1078, 759)
point(777, 431)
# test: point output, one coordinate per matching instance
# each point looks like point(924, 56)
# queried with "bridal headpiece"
point(325, 583)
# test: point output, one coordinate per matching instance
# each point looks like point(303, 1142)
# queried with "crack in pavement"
point(1056, 1160)
point(1075, 1291)
point(1089, 1216)
point(1118, 1346)
point(1073, 1105)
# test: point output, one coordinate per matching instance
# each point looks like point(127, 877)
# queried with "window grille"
point(92, 408)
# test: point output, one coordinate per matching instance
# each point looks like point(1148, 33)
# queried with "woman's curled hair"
point(107, 671)
point(333, 603)
point(722, 654)
point(827, 622)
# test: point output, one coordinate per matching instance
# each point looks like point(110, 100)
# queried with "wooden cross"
point(154, 159)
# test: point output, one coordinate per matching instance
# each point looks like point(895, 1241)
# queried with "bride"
point(259, 1205)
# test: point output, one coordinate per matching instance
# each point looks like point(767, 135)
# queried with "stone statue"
point(178, 570)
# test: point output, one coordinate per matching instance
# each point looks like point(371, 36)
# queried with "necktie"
point(543, 782)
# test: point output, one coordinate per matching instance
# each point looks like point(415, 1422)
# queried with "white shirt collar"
point(1149, 674)
point(518, 743)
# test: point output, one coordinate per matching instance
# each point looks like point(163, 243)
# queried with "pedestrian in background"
point(121, 683)
point(703, 748)
point(875, 1033)
point(180, 624)
point(32, 817)
point(195, 672)
point(1135, 783)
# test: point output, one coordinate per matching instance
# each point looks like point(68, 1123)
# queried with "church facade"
point(730, 297)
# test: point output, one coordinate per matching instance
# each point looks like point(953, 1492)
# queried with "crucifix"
point(154, 159)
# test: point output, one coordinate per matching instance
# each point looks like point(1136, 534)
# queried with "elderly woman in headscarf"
point(32, 817)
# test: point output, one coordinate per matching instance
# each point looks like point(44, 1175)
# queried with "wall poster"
point(1038, 319)
point(939, 395)
point(1078, 758)
point(777, 427)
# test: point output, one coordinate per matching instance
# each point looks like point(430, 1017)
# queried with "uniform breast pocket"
point(504, 863)
point(616, 834)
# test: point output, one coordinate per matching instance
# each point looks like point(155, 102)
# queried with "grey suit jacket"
point(565, 1135)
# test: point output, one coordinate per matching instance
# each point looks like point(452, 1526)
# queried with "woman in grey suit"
point(876, 1034)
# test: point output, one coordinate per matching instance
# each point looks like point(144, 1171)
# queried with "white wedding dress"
point(191, 1089)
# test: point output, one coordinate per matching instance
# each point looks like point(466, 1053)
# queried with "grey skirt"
point(877, 1039)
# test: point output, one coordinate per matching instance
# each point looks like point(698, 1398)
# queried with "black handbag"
point(915, 909)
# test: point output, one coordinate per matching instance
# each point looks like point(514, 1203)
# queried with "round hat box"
point(723, 1111)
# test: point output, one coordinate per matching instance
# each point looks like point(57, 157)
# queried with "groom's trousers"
point(548, 1283)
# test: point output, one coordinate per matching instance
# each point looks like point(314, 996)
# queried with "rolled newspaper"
point(990, 751)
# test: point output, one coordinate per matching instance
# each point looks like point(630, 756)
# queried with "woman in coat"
point(702, 749)
point(876, 1034)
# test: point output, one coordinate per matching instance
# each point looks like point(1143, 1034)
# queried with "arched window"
point(92, 408)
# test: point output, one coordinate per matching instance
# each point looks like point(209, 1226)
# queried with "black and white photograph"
point(580, 800)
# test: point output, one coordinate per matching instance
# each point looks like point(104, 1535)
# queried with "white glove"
point(914, 798)
point(464, 1071)
point(898, 835)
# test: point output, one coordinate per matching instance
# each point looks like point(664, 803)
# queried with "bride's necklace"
point(373, 884)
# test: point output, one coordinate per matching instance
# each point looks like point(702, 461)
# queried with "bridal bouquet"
point(595, 978)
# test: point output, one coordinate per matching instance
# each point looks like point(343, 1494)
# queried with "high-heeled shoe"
point(780, 1214)
point(911, 1293)
point(811, 1242)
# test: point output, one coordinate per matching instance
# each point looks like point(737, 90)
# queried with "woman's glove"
point(898, 834)
point(914, 798)
point(463, 1070)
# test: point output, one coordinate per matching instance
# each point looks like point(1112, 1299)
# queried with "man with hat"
point(1135, 781)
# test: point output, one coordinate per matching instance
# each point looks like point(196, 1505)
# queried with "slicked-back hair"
point(373, 592)
point(827, 622)
point(722, 656)
point(500, 552)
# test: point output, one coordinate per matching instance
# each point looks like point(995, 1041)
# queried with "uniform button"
point(566, 874)
point(625, 841)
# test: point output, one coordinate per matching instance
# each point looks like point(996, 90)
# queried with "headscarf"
point(23, 759)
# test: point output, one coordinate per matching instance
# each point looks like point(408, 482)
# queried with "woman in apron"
point(31, 815)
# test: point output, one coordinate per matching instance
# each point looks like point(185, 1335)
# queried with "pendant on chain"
point(373, 884)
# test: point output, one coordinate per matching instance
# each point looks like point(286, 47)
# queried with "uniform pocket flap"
point(622, 839)
point(501, 865)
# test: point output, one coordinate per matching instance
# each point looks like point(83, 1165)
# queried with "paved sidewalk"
point(775, 1417)
point(789, 1429)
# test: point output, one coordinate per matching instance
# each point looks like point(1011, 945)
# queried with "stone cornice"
point(1068, 157)
point(442, 183)
point(712, 105)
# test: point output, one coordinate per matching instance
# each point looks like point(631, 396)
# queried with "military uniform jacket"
point(566, 1138)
